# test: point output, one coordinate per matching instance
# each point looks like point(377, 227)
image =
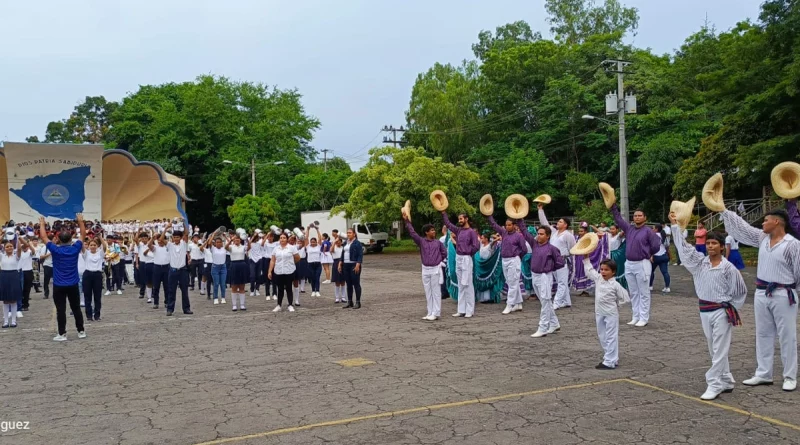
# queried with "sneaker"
point(149, 300)
point(468, 316)
point(216, 301)
point(222, 301)
point(507, 310)
point(252, 294)
point(60, 337)
point(458, 315)
point(235, 309)
point(202, 292)
point(242, 308)
point(337, 300)
point(291, 308)
point(82, 334)
point(19, 314)
point(5, 326)
point(108, 292)
point(427, 317)
point(277, 309)
point(274, 297)
point(666, 290)
point(326, 282)
point(258, 294)
point(539, 334)
point(633, 322)
point(640, 324)
point(789, 384)
point(119, 292)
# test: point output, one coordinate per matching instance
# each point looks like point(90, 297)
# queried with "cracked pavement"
point(143, 378)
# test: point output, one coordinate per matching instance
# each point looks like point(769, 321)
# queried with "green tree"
point(190, 128)
point(89, 122)
point(254, 212)
point(574, 21)
point(393, 175)
point(317, 189)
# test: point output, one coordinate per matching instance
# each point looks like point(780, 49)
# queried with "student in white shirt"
point(177, 249)
point(219, 271)
point(609, 294)
point(158, 245)
point(46, 262)
point(255, 255)
point(10, 290)
point(281, 270)
point(196, 260)
point(92, 281)
point(314, 257)
point(144, 263)
point(239, 272)
point(337, 277)
point(208, 261)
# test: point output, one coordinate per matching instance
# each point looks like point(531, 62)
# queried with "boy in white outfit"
point(609, 294)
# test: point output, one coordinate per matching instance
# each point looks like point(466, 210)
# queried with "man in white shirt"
point(196, 257)
point(178, 270)
point(775, 301)
point(158, 246)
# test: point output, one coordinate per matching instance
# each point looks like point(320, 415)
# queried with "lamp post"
point(623, 162)
point(253, 170)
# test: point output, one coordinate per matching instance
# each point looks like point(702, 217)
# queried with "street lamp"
point(253, 170)
point(623, 163)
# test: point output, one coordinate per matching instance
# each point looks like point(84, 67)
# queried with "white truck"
point(372, 239)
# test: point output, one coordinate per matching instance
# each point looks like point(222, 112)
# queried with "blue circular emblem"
point(55, 194)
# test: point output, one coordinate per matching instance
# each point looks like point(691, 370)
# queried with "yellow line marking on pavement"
point(730, 408)
point(353, 362)
point(402, 412)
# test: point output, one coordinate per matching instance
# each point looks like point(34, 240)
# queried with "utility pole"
point(253, 174)
point(325, 162)
point(394, 141)
point(619, 104)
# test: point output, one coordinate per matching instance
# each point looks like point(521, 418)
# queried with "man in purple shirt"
point(433, 254)
point(511, 251)
point(467, 245)
point(641, 244)
point(546, 258)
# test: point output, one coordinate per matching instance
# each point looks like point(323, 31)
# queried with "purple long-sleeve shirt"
point(545, 258)
point(641, 242)
point(513, 243)
point(466, 239)
point(794, 215)
point(431, 251)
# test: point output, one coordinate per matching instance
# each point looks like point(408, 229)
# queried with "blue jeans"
point(219, 275)
point(661, 262)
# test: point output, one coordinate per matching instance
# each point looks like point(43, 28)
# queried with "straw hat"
point(682, 211)
point(609, 197)
point(786, 180)
point(486, 205)
point(517, 206)
point(544, 199)
point(439, 200)
point(586, 245)
point(712, 193)
point(406, 209)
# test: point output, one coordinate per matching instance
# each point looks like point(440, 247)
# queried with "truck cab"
point(370, 235)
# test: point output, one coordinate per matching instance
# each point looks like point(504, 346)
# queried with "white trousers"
point(638, 275)
point(608, 334)
point(433, 291)
point(562, 298)
point(511, 271)
point(718, 335)
point(543, 286)
point(774, 315)
point(466, 291)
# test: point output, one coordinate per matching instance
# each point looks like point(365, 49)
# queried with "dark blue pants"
point(256, 269)
point(93, 293)
point(315, 270)
point(178, 277)
point(353, 281)
point(265, 277)
point(160, 279)
point(661, 262)
point(195, 271)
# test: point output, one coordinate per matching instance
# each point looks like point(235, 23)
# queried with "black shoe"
point(302, 291)
point(209, 297)
point(188, 312)
point(155, 306)
point(234, 309)
point(347, 306)
point(46, 297)
point(96, 318)
point(13, 326)
point(297, 304)
point(87, 319)
point(141, 296)
point(5, 326)
point(358, 306)
point(602, 366)
point(25, 309)
point(169, 313)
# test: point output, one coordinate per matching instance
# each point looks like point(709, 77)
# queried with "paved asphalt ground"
point(257, 377)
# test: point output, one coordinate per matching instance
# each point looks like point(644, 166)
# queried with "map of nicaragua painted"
point(59, 195)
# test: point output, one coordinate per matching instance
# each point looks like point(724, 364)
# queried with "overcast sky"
point(354, 61)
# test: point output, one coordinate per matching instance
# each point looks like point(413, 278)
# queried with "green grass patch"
point(405, 245)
